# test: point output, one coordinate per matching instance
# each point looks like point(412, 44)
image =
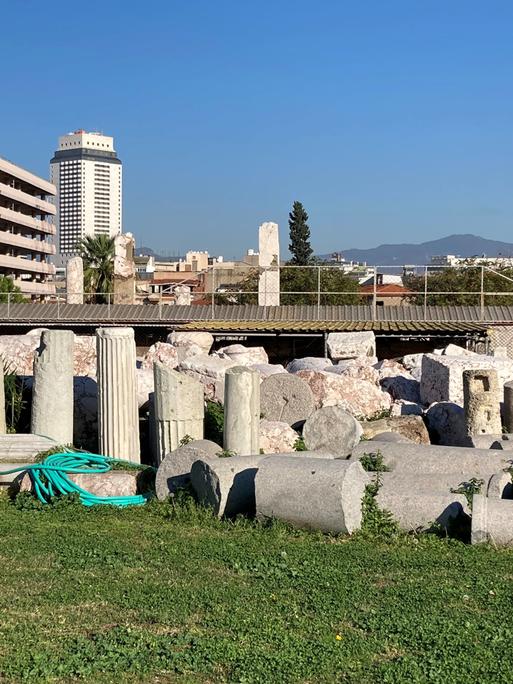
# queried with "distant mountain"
point(148, 251)
point(460, 245)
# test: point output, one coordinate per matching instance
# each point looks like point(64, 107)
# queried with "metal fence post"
point(8, 305)
point(425, 291)
point(108, 305)
point(375, 294)
point(482, 294)
point(213, 294)
point(318, 292)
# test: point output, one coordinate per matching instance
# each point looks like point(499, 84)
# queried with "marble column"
point(75, 281)
point(269, 265)
point(118, 414)
point(242, 411)
point(52, 392)
point(179, 409)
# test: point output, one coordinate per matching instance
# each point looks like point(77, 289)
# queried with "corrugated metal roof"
point(329, 326)
point(97, 314)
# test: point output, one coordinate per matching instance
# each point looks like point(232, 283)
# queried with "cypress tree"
point(299, 246)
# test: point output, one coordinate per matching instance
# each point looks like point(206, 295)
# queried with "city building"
point(88, 176)
point(26, 229)
point(451, 260)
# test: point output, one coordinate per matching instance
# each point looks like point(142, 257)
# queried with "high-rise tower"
point(88, 176)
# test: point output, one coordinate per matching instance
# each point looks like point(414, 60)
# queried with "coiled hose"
point(51, 478)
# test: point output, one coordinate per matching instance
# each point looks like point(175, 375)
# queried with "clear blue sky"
point(390, 120)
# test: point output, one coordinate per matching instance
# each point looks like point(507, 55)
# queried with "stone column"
point(118, 414)
point(492, 521)
point(508, 406)
point(183, 295)
point(179, 409)
point(269, 261)
point(124, 269)
point(242, 411)
point(75, 281)
point(3, 422)
point(481, 402)
point(52, 392)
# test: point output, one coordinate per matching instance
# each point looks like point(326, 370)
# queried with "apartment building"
point(88, 176)
point(26, 229)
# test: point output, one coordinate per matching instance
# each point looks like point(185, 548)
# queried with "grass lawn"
point(162, 594)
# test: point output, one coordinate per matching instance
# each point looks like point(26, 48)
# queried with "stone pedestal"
point(242, 411)
point(269, 265)
point(118, 415)
point(179, 409)
point(508, 406)
point(481, 402)
point(75, 281)
point(492, 521)
point(124, 269)
point(52, 392)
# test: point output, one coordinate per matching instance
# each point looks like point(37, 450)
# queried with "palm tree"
point(97, 251)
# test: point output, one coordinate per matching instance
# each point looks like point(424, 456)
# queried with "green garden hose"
point(50, 478)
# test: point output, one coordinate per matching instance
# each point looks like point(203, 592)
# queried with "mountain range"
point(465, 245)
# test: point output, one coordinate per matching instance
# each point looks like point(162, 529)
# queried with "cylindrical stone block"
point(492, 521)
point(174, 472)
point(242, 411)
point(118, 414)
point(179, 409)
point(52, 392)
point(427, 484)
point(418, 458)
point(227, 485)
point(317, 494)
point(481, 402)
point(508, 406)
point(75, 281)
point(420, 512)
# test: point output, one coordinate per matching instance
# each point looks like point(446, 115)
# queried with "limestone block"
point(492, 521)
point(411, 427)
point(357, 370)
point(333, 430)
point(481, 402)
point(113, 483)
point(442, 376)
point(242, 411)
point(413, 364)
point(243, 356)
point(124, 269)
point(401, 407)
point(210, 371)
point(75, 281)
point(318, 494)
point(446, 424)
point(308, 363)
point(267, 369)
point(204, 340)
point(391, 437)
point(359, 397)
point(179, 409)
point(175, 470)
point(402, 387)
point(19, 450)
point(183, 295)
point(17, 351)
point(276, 437)
point(348, 345)
point(52, 392)
point(161, 352)
point(286, 398)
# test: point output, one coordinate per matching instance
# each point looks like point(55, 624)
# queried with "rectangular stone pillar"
point(124, 269)
point(269, 265)
point(52, 392)
point(75, 281)
point(242, 411)
point(481, 401)
point(179, 409)
point(118, 413)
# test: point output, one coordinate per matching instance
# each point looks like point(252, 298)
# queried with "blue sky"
point(392, 121)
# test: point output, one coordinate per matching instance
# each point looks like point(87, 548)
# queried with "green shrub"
point(214, 422)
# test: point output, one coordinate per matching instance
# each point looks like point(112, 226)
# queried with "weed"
point(299, 444)
point(226, 453)
point(186, 439)
point(214, 422)
point(376, 523)
point(373, 462)
point(468, 489)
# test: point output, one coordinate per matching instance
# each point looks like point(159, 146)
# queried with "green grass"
point(163, 594)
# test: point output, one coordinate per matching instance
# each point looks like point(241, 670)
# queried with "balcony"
point(27, 244)
point(19, 219)
point(27, 177)
point(29, 200)
point(25, 265)
point(32, 287)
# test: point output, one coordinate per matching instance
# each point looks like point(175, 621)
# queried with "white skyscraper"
point(87, 174)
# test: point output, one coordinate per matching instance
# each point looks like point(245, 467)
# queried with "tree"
point(98, 254)
point(9, 292)
point(300, 286)
point(461, 286)
point(299, 246)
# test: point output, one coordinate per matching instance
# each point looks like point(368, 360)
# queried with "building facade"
point(88, 176)
point(26, 229)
